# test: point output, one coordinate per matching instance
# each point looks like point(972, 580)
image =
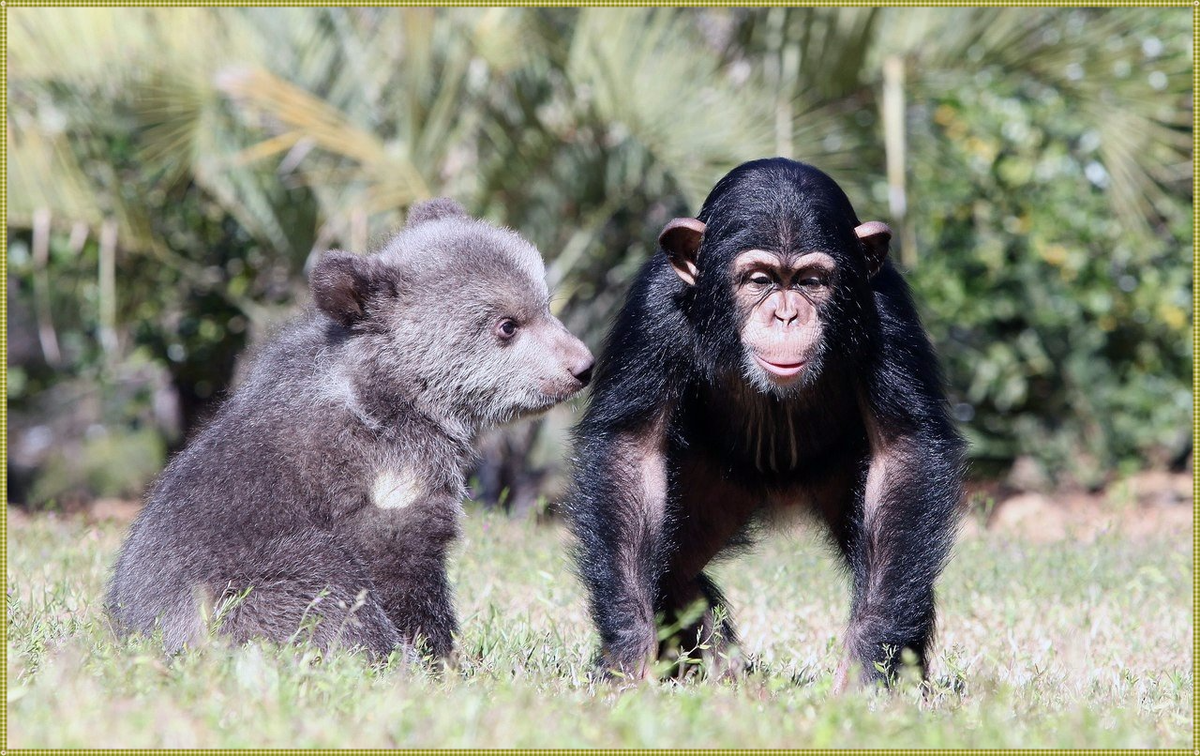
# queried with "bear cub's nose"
point(583, 370)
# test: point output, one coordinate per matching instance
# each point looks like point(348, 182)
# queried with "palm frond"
point(629, 66)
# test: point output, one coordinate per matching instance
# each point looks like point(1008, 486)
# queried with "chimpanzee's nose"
point(583, 370)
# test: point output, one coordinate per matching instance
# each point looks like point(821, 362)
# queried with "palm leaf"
point(629, 66)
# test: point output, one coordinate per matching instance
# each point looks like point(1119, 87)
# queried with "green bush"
point(1064, 331)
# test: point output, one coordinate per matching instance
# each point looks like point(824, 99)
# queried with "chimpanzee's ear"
point(341, 283)
point(434, 209)
point(874, 236)
point(680, 239)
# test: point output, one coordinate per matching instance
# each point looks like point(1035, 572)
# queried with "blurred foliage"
point(1048, 172)
point(113, 464)
point(1053, 211)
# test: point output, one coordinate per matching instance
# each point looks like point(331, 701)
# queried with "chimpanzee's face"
point(779, 298)
point(778, 265)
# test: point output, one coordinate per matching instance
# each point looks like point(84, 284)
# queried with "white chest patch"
point(395, 489)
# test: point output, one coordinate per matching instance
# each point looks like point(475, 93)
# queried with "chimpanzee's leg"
point(711, 513)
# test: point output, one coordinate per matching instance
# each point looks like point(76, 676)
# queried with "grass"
point(1041, 645)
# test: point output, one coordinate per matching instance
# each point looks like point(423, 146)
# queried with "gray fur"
point(323, 497)
point(434, 209)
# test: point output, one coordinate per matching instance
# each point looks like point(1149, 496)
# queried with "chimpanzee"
point(770, 358)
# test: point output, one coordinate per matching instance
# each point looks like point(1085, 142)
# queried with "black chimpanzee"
point(770, 358)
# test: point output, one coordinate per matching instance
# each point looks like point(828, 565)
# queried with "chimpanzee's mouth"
point(781, 369)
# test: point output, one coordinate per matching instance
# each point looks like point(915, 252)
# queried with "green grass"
point(1041, 645)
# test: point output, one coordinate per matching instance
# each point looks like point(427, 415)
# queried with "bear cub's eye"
point(506, 329)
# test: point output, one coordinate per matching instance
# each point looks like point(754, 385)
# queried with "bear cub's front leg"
point(407, 550)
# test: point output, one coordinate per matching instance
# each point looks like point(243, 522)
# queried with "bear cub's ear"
point(434, 209)
point(341, 282)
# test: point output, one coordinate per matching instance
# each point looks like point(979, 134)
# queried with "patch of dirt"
point(97, 510)
point(119, 510)
point(1145, 504)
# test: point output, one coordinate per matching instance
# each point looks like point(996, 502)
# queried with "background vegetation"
point(172, 173)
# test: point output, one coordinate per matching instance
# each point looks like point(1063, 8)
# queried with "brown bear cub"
point(322, 499)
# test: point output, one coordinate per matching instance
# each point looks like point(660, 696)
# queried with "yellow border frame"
point(5, 4)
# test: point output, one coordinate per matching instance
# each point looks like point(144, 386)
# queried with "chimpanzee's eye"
point(760, 279)
point(814, 282)
point(506, 329)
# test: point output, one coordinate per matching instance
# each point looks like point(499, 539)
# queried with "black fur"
point(668, 379)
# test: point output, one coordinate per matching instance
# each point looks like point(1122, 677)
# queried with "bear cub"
point(321, 500)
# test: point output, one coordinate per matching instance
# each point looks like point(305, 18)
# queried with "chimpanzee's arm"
point(900, 545)
point(902, 535)
point(618, 516)
point(617, 506)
